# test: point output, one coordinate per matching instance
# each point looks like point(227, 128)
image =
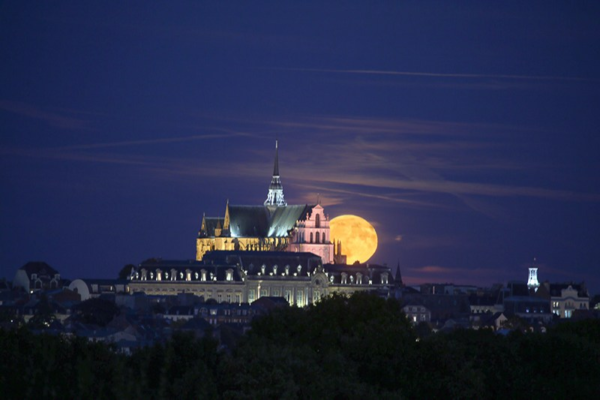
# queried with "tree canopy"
point(340, 348)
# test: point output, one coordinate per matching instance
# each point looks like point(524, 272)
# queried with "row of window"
point(174, 275)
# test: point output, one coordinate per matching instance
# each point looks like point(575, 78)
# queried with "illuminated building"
point(273, 250)
point(245, 276)
point(273, 226)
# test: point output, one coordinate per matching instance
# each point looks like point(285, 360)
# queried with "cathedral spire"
point(275, 195)
point(276, 164)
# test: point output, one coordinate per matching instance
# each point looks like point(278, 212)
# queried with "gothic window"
point(318, 221)
point(317, 240)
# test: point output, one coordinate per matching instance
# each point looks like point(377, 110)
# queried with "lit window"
point(299, 299)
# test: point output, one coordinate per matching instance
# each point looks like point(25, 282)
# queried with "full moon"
point(358, 237)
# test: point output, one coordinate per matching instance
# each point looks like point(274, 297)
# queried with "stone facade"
point(245, 276)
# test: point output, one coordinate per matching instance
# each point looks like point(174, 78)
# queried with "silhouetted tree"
point(95, 311)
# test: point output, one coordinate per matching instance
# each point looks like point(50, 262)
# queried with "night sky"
point(467, 134)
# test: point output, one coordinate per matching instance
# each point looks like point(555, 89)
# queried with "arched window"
point(318, 236)
point(311, 237)
point(318, 221)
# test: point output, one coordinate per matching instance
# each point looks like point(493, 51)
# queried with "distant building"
point(245, 276)
point(530, 308)
point(416, 312)
point(37, 275)
point(565, 298)
point(273, 226)
point(90, 288)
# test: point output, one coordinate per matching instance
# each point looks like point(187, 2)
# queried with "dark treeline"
point(360, 347)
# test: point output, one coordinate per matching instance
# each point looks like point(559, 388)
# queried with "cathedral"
point(274, 249)
point(273, 226)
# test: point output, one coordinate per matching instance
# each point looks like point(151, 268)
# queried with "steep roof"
point(258, 221)
point(40, 268)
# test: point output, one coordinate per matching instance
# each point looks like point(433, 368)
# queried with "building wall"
point(298, 291)
point(567, 302)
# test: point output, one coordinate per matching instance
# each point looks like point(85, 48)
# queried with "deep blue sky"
point(467, 133)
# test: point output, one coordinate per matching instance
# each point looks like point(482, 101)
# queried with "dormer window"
point(331, 279)
point(287, 269)
point(158, 275)
point(263, 269)
point(203, 275)
point(212, 276)
point(299, 268)
point(344, 278)
point(229, 275)
point(384, 278)
point(351, 279)
point(275, 269)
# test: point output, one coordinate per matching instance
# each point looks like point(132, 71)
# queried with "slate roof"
point(258, 221)
point(40, 268)
point(252, 261)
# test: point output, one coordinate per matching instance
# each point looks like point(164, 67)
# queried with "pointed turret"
point(226, 221)
point(398, 277)
point(275, 195)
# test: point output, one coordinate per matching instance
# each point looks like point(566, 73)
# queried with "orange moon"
point(358, 237)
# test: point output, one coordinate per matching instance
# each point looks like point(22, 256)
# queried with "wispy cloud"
point(51, 118)
point(126, 143)
point(444, 75)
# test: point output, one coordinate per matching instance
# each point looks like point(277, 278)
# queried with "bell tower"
point(275, 195)
point(532, 282)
